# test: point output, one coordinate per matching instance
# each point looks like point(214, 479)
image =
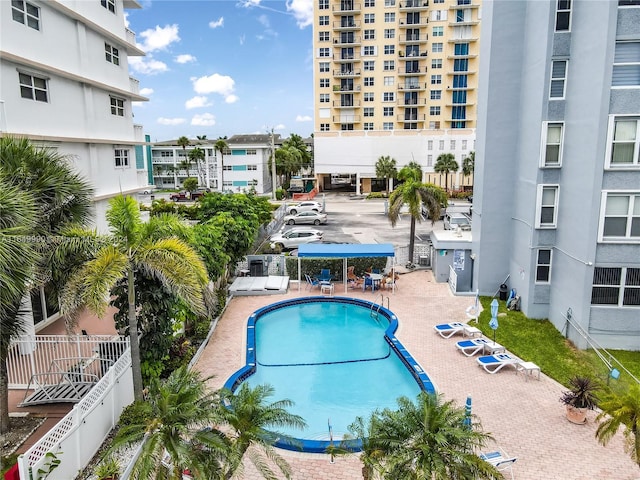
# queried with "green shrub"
point(280, 193)
point(313, 266)
point(376, 195)
point(133, 412)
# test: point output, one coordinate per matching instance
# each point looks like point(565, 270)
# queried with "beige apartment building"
point(396, 78)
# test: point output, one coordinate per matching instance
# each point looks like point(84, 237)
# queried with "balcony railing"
point(346, 119)
point(413, 5)
point(346, 25)
point(463, 23)
point(347, 7)
point(346, 88)
point(413, 24)
point(411, 55)
point(355, 40)
point(418, 117)
point(420, 38)
point(412, 71)
point(130, 36)
point(462, 57)
point(353, 72)
point(341, 58)
point(462, 4)
point(346, 104)
point(411, 102)
point(412, 87)
point(134, 85)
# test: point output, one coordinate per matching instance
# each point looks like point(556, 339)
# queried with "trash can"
point(256, 268)
point(504, 289)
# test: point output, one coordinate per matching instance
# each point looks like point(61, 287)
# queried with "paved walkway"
point(525, 417)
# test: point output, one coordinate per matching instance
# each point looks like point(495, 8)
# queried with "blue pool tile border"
point(320, 446)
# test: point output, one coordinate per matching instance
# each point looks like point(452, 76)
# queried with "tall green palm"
point(184, 142)
point(169, 259)
point(221, 146)
point(415, 195)
point(617, 410)
point(297, 142)
point(197, 156)
point(253, 423)
point(427, 439)
point(446, 163)
point(289, 160)
point(469, 164)
point(386, 168)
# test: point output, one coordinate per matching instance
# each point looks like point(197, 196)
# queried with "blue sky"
point(223, 67)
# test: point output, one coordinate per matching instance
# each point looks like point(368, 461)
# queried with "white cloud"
point(216, 83)
point(216, 23)
point(302, 10)
point(242, 37)
point(159, 38)
point(279, 127)
point(197, 102)
point(204, 120)
point(145, 92)
point(170, 121)
point(303, 118)
point(264, 20)
point(250, 3)
point(147, 65)
point(185, 58)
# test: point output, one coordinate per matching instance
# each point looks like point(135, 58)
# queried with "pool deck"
point(525, 417)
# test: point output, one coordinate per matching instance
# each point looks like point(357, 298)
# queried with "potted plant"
point(580, 398)
point(108, 469)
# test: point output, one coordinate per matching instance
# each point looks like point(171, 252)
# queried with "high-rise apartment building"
point(66, 85)
point(557, 180)
point(396, 78)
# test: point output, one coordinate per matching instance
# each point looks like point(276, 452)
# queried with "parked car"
point(455, 220)
point(309, 217)
point(443, 211)
point(295, 189)
point(184, 196)
point(294, 237)
point(304, 207)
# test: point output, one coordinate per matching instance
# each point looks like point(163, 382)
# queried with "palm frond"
point(123, 217)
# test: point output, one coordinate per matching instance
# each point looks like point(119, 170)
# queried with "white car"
point(309, 217)
point(294, 237)
point(304, 207)
point(455, 220)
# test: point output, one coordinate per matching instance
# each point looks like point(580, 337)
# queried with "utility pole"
point(273, 167)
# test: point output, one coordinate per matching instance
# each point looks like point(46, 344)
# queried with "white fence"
point(79, 435)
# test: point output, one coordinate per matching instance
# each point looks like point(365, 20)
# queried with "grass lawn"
point(540, 342)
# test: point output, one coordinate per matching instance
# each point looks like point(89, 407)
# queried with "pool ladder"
point(378, 306)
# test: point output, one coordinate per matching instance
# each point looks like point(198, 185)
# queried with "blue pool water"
point(332, 358)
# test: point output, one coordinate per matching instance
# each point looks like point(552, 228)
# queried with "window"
point(369, 50)
point(369, 3)
point(389, 17)
point(389, 81)
point(111, 53)
point(452, 145)
point(252, 167)
point(464, 144)
point(389, 65)
point(625, 143)
point(435, 94)
point(434, 110)
point(461, 65)
point(389, 3)
point(324, 98)
point(387, 126)
point(434, 125)
point(459, 81)
point(389, 97)
point(323, 4)
point(227, 168)
point(369, 65)
point(461, 49)
point(323, 52)
point(436, 63)
point(346, 126)
point(389, 49)
point(369, 18)
point(323, 20)
point(543, 266)
point(621, 216)
point(438, 31)
point(324, 67)
point(368, 81)
point(563, 15)
point(430, 145)
point(437, 47)
point(429, 160)
point(626, 64)
point(547, 206)
point(553, 145)
point(436, 79)
point(323, 36)
point(389, 33)
point(368, 125)
point(558, 77)
point(368, 111)
point(26, 13)
point(324, 82)
point(121, 157)
point(369, 34)
point(109, 5)
point(440, 144)
point(616, 286)
point(368, 97)
point(33, 88)
point(387, 111)
point(324, 127)
point(459, 97)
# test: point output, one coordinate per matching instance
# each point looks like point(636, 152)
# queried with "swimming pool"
point(335, 358)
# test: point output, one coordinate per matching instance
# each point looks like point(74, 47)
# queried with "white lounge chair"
point(500, 460)
point(495, 363)
point(475, 345)
point(447, 330)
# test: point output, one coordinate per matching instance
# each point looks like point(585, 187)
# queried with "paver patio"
point(525, 417)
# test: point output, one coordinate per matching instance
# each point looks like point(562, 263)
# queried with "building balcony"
point(346, 7)
point(342, 25)
point(411, 72)
point(412, 87)
point(418, 117)
point(464, 23)
point(462, 4)
point(130, 36)
point(411, 55)
point(462, 40)
point(413, 5)
point(466, 72)
point(346, 104)
point(460, 89)
point(413, 39)
point(346, 119)
point(462, 57)
point(346, 89)
point(340, 42)
point(134, 85)
point(346, 58)
point(162, 160)
point(350, 73)
point(422, 23)
point(466, 104)
point(411, 102)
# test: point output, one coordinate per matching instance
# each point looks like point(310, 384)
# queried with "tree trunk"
point(221, 172)
point(133, 337)
point(412, 238)
point(4, 391)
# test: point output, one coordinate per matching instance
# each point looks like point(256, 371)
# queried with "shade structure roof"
point(345, 250)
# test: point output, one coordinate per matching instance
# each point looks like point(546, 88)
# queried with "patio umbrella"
point(467, 412)
point(493, 323)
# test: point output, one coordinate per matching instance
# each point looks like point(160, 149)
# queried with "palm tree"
point(620, 410)
point(386, 168)
point(426, 439)
point(415, 166)
point(297, 142)
point(197, 155)
point(184, 142)
point(469, 164)
point(416, 195)
point(46, 182)
point(132, 247)
point(221, 146)
point(252, 422)
point(446, 163)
